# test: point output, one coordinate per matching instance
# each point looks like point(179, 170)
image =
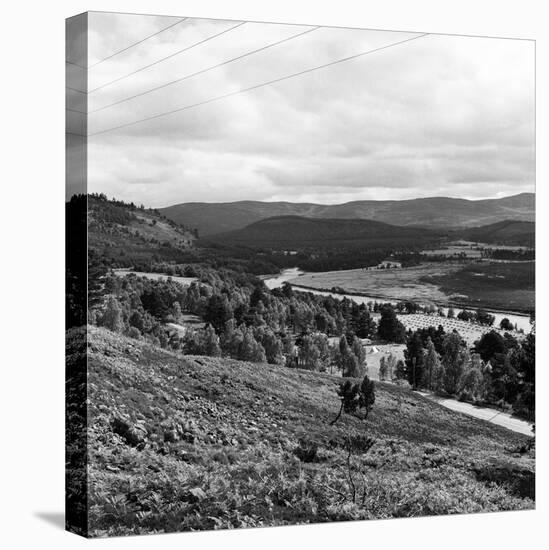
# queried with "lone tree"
point(367, 396)
point(355, 396)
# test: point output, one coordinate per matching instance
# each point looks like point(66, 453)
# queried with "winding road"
point(484, 413)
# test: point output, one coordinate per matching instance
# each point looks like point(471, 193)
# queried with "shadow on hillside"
point(518, 481)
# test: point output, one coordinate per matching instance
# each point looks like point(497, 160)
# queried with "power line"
point(75, 111)
point(75, 64)
point(164, 58)
point(255, 87)
point(76, 90)
point(205, 70)
point(137, 43)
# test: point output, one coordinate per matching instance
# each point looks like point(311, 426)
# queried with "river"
point(292, 276)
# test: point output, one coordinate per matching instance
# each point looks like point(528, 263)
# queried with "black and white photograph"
point(300, 274)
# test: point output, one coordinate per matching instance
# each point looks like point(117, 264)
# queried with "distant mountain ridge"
point(433, 212)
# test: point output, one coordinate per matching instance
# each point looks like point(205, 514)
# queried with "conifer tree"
point(112, 317)
point(431, 365)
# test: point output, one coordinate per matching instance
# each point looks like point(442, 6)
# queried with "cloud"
point(440, 115)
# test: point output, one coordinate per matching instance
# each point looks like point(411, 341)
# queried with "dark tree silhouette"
point(355, 396)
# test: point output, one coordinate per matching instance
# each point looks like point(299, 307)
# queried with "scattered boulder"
point(133, 434)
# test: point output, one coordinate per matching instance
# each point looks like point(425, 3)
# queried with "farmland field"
point(392, 284)
point(470, 332)
point(500, 285)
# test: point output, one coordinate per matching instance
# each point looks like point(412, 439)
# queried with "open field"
point(184, 281)
point(181, 443)
point(505, 286)
point(508, 286)
point(392, 284)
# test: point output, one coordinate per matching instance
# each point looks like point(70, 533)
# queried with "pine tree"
point(231, 339)
point(431, 365)
point(210, 342)
point(273, 347)
point(250, 349)
point(288, 348)
point(353, 396)
point(346, 360)
point(177, 313)
point(191, 343)
point(309, 355)
point(471, 384)
point(360, 353)
point(455, 357)
point(367, 395)
point(391, 366)
point(218, 311)
point(390, 328)
point(112, 316)
point(382, 369)
point(414, 355)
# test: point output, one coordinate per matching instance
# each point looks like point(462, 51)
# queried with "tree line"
point(497, 370)
point(242, 319)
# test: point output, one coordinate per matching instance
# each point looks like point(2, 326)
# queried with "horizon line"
point(347, 202)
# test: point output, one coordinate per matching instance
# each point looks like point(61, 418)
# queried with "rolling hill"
point(182, 443)
point(124, 234)
point(508, 232)
point(436, 212)
point(283, 232)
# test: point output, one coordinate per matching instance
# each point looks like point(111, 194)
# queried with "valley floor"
point(508, 286)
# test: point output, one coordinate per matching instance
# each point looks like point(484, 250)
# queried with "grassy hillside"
point(296, 232)
point(438, 212)
point(124, 234)
point(185, 443)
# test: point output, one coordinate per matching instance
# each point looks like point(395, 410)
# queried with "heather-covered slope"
point(124, 234)
point(180, 443)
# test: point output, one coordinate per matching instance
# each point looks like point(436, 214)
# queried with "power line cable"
point(167, 57)
point(256, 86)
point(137, 43)
point(75, 64)
point(205, 70)
point(76, 90)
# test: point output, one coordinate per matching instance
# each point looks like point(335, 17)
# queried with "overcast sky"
point(435, 116)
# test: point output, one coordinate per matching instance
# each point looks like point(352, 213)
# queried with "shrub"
point(306, 450)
